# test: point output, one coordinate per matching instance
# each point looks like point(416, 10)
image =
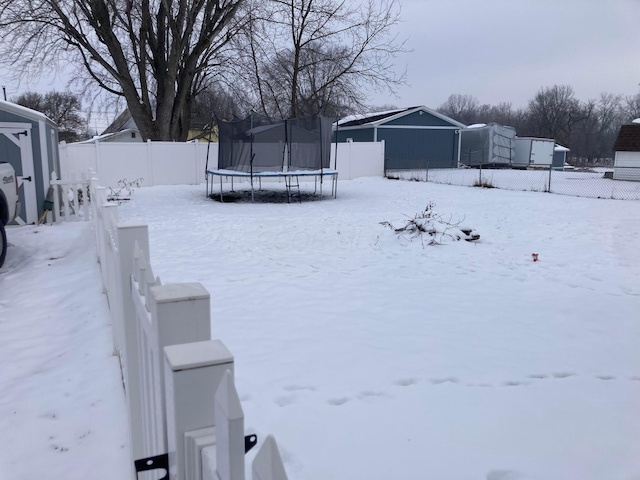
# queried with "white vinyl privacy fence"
point(175, 163)
point(185, 417)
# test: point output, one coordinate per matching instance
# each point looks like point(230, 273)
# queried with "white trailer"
point(533, 152)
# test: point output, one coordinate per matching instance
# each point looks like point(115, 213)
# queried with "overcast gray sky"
point(506, 50)
point(503, 50)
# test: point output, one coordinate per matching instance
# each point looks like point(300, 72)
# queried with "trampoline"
point(256, 148)
point(291, 180)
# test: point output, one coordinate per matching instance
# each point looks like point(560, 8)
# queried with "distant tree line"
point(64, 108)
point(588, 129)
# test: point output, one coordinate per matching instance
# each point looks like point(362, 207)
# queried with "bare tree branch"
point(153, 53)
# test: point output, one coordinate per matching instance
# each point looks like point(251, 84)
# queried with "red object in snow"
point(534, 256)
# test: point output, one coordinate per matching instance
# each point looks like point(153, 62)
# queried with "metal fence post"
point(550, 170)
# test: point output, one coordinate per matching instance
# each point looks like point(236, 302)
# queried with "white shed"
point(626, 165)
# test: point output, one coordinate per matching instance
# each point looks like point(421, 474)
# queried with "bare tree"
point(215, 101)
point(463, 108)
point(319, 56)
point(554, 111)
point(155, 54)
point(64, 108)
point(631, 107)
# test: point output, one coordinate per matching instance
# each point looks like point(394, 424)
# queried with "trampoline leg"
point(221, 198)
point(287, 185)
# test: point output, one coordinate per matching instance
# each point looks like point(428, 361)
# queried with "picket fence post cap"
point(207, 353)
point(130, 224)
point(179, 292)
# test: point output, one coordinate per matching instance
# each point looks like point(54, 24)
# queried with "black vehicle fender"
point(4, 209)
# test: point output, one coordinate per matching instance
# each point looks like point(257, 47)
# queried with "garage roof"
point(379, 118)
point(25, 112)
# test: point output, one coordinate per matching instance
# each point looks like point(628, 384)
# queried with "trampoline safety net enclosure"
point(257, 147)
point(257, 144)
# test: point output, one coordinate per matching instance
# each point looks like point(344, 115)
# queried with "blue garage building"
point(415, 137)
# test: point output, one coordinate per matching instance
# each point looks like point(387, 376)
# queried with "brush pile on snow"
point(432, 229)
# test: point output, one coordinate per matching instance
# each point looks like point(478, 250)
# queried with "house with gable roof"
point(415, 137)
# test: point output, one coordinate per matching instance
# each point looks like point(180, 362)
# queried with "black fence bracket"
point(250, 441)
point(157, 462)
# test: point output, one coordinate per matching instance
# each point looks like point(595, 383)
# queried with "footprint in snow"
point(338, 401)
point(512, 383)
point(438, 381)
point(606, 377)
point(285, 400)
point(405, 382)
point(299, 388)
point(563, 374)
point(370, 393)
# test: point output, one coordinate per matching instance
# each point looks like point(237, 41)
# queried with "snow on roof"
point(104, 136)
point(637, 120)
point(384, 113)
point(477, 125)
point(560, 148)
point(386, 116)
point(24, 111)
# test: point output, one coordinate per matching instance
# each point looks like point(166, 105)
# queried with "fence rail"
point(184, 412)
point(70, 199)
point(613, 183)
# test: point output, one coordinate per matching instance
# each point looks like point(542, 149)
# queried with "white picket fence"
point(184, 411)
point(70, 199)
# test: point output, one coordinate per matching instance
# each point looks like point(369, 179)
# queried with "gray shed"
point(415, 137)
point(29, 142)
point(559, 157)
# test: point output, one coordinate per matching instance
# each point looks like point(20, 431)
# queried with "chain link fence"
point(621, 183)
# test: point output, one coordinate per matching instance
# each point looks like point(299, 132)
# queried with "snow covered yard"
point(590, 183)
point(62, 406)
point(366, 356)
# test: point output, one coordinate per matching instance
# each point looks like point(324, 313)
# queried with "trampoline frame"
point(289, 177)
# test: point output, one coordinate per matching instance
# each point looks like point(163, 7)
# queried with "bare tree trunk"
point(149, 53)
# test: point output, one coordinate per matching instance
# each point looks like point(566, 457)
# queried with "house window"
point(133, 134)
